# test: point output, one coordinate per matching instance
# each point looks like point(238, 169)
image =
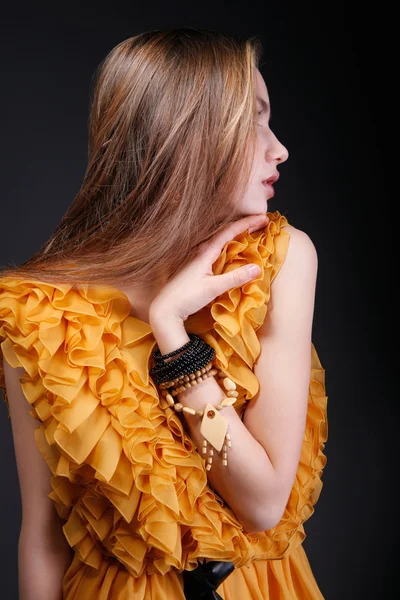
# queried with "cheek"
point(259, 168)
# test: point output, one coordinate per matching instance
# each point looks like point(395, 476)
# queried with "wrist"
point(169, 332)
point(158, 314)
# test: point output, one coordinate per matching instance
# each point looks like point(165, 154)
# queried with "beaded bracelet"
point(196, 355)
point(214, 428)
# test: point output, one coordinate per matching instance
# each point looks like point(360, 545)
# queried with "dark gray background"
point(327, 83)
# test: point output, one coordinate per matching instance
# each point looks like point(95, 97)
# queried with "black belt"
point(201, 582)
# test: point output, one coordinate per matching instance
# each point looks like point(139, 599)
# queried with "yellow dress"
point(126, 476)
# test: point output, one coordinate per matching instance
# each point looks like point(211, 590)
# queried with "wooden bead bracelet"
point(213, 427)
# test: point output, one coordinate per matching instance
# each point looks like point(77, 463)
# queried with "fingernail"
point(254, 270)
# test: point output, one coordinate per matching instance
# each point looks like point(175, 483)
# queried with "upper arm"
point(39, 517)
point(276, 416)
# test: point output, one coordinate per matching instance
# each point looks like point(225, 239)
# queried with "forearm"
point(41, 569)
point(244, 482)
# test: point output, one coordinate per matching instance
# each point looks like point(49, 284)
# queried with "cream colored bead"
point(198, 373)
point(228, 436)
point(192, 376)
point(199, 379)
point(225, 463)
point(232, 394)
point(188, 385)
point(203, 370)
point(170, 399)
point(209, 460)
point(229, 384)
point(205, 443)
point(229, 444)
point(211, 452)
point(178, 406)
point(199, 413)
point(208, 467)
point(204, 450)
point(227, 402)
point(189, 410)
point(204, 376)
point(213, 372)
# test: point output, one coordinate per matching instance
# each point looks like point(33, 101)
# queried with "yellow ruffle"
point(126, 477)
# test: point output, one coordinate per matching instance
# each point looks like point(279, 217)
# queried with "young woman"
point(153, 469)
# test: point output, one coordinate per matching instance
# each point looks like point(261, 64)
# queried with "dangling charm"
point(214, 431)
point(210, 455)
point(213, 426)
point(226, 445)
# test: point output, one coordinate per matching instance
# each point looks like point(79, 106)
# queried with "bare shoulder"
point(301, 258)
point(300, 242)
point(293, 289)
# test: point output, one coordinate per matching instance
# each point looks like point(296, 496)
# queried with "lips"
point(271, 180)
point(270, 188)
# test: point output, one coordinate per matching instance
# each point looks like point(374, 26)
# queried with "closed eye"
point(265, 107)
point(260, 114)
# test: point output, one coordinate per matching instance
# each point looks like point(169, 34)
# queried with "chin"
point(260, 207)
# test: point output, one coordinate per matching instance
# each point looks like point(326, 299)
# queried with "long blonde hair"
point(172, 132)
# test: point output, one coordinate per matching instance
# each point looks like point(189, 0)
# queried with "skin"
point(269, 154)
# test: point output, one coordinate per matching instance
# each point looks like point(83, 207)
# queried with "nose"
point(277, 151)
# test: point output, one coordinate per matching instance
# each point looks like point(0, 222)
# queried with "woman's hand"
point(194, 286)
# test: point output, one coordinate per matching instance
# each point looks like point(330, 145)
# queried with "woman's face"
point(269, 153)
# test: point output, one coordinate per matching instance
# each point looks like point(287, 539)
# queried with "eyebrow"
point(265, 105)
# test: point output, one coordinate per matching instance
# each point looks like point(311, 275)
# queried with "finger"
point(235, 278)
point(217, 242)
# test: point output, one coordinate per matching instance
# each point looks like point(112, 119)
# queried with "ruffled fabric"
point(126, 478)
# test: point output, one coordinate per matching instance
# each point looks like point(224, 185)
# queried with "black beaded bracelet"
point(196, 347)
point(190, 365)
point(197, 355)
point(195, 342)
point(160, 357)
point(170, 367)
